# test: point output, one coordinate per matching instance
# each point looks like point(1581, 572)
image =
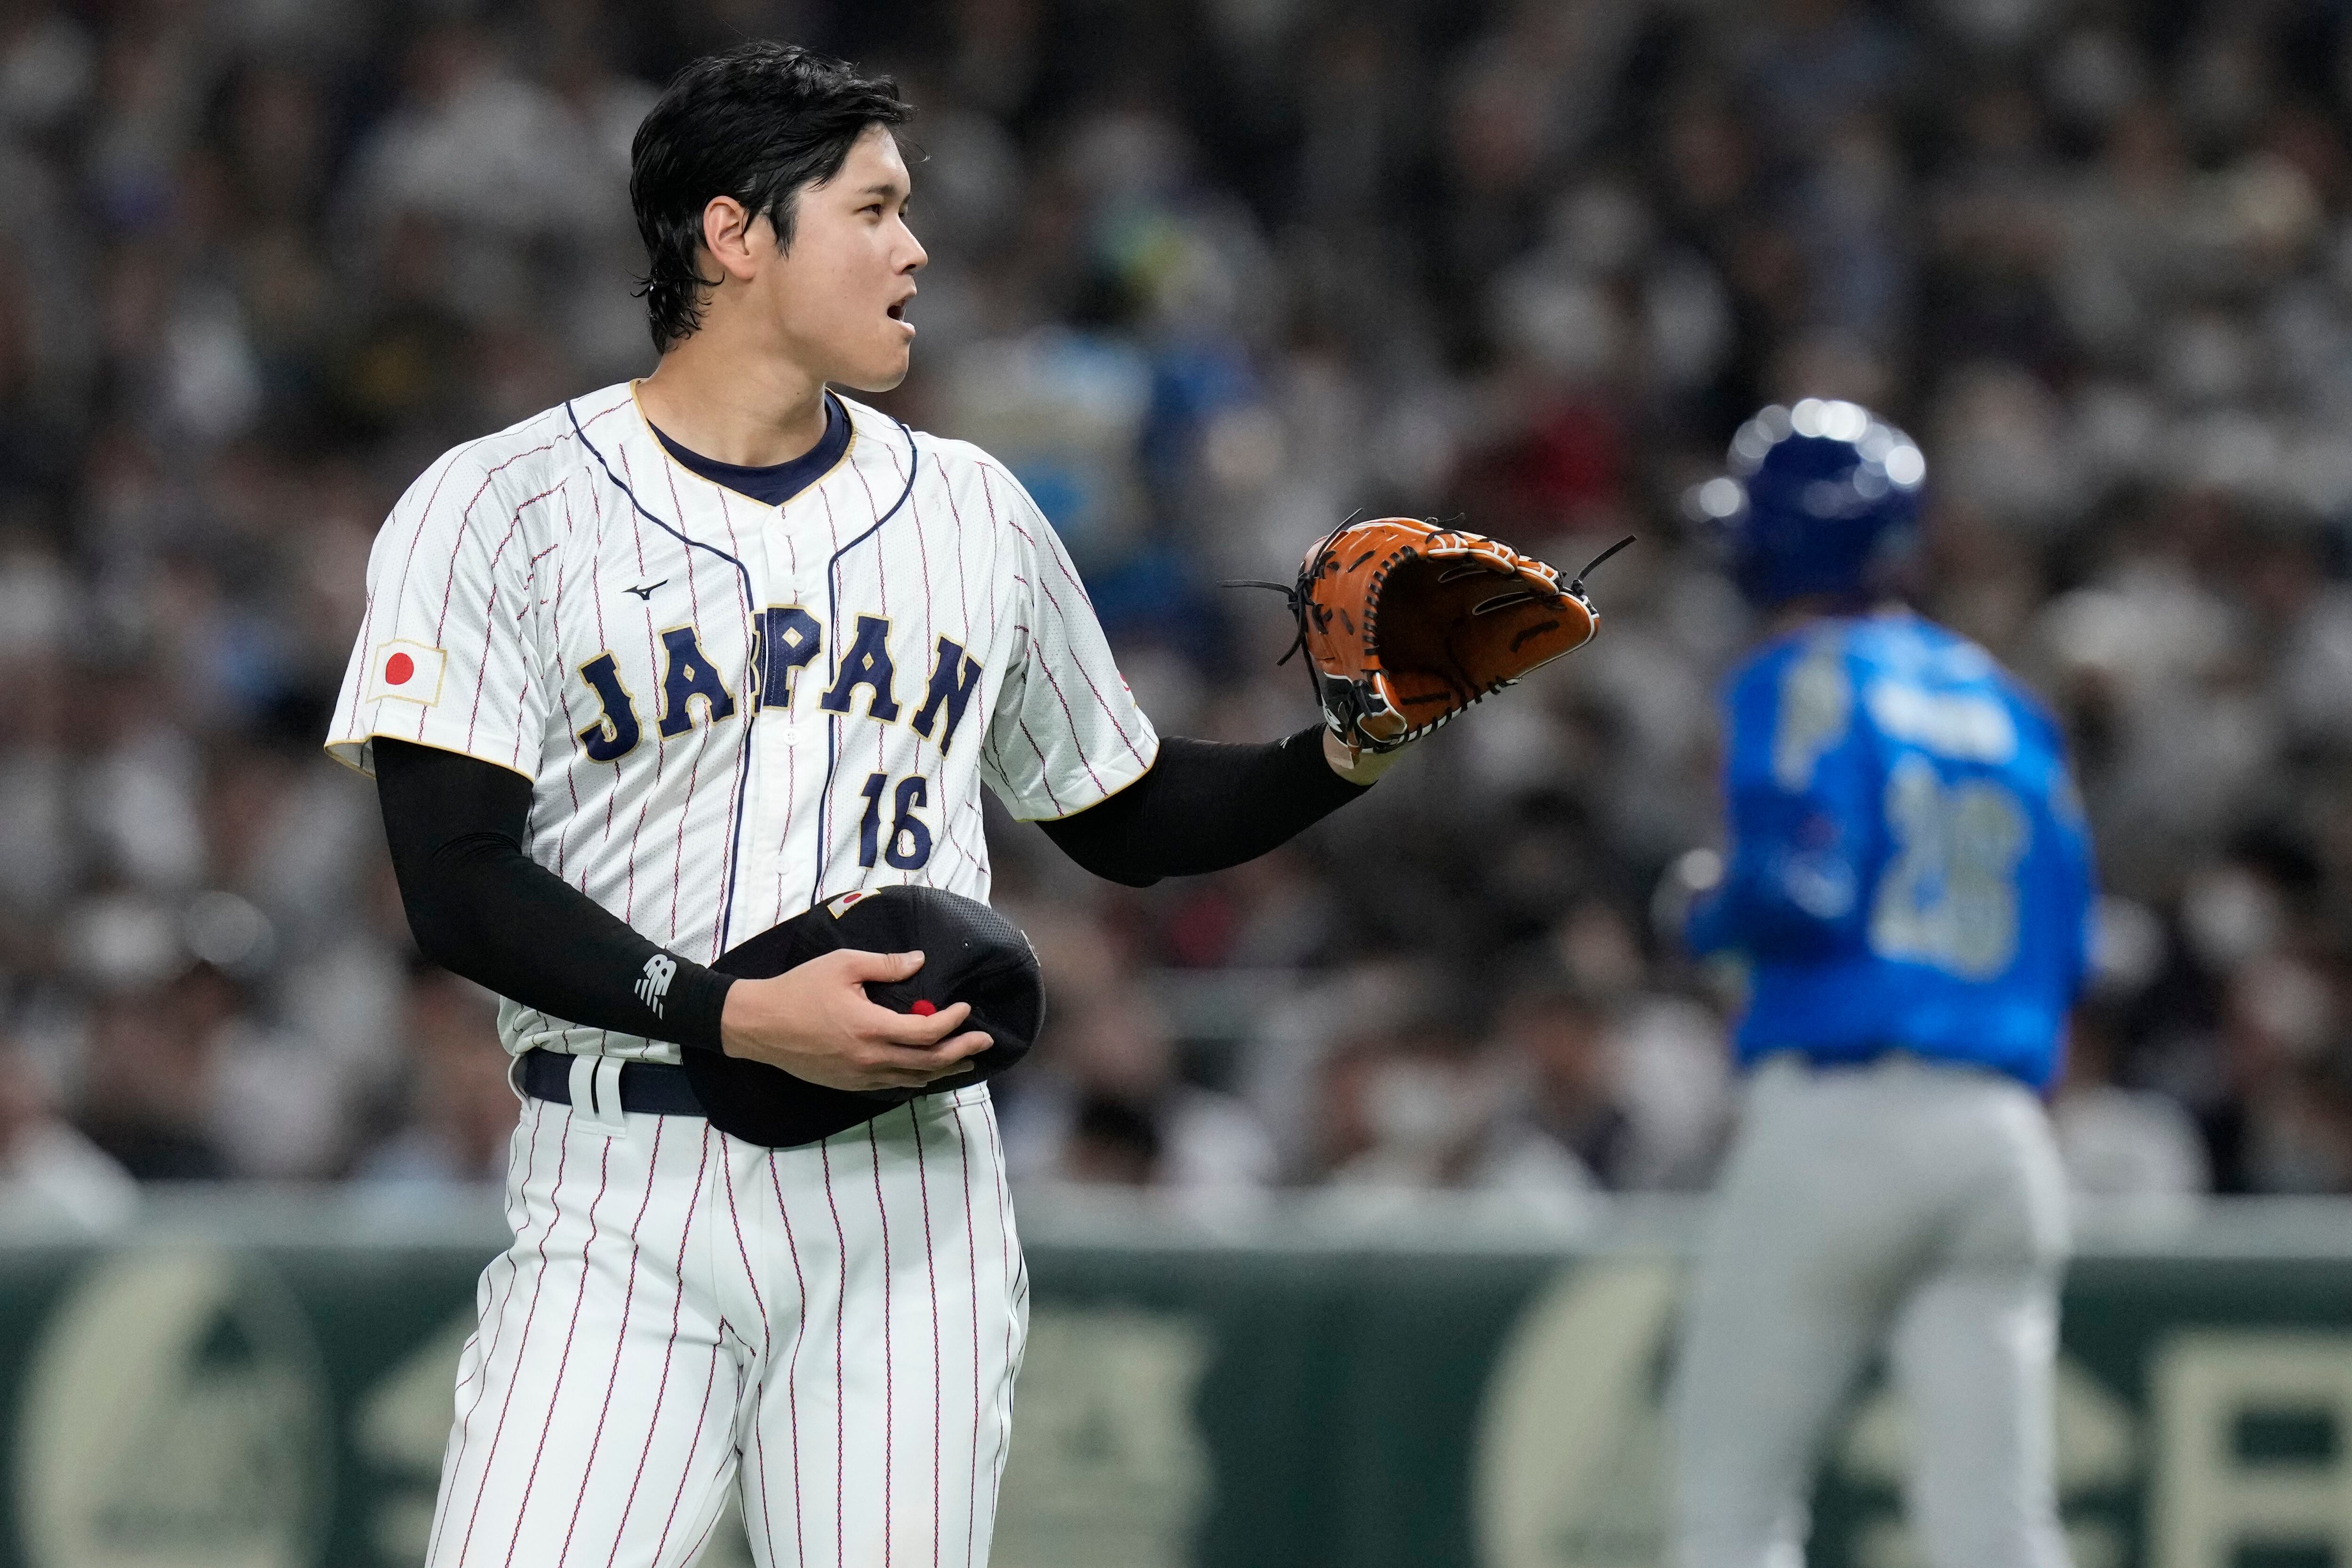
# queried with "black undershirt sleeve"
point(1203, 806)
point(480, 907)
point(483, 908)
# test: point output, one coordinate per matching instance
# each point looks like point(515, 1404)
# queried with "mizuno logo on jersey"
point(407, 671)
point(653, 986)
point(787, 640)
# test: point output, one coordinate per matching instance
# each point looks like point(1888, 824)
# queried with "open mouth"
point(898, 312)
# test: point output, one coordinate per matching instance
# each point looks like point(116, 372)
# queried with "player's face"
point(840, 293)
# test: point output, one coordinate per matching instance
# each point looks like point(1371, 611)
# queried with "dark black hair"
point(756, 124)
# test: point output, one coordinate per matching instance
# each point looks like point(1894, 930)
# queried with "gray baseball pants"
point(1906, 1204)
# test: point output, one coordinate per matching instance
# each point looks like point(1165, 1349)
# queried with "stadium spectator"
point(50, 1173)
point(1564, 1125)
point(147, 1080)
point(459, 1112)
point(1104, 1104)
point(2120, 1142)
point(259, 263)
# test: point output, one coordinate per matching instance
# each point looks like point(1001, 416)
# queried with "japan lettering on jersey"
point(730, 711)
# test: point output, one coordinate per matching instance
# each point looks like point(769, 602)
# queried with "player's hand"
point(1358, 767)
point(816, 1023)
point(1693, 875)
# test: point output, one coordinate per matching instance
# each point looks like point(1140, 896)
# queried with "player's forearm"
point(1793, 889)
point(1709, 928)
point(1782, 906)
point(482, 908)
point(1204, 806)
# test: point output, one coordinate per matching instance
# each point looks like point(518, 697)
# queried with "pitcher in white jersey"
point(656, 669)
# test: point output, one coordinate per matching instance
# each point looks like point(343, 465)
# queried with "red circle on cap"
point(398, 668)
point(923, 1009)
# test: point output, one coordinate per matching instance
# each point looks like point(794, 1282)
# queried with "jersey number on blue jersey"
point(1949, 898)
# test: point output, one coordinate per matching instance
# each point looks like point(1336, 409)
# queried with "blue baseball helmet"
point(1822, 498)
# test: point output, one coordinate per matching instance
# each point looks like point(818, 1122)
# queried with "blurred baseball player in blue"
point(1909, 882)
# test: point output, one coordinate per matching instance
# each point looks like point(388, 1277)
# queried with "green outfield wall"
point(264, 1383)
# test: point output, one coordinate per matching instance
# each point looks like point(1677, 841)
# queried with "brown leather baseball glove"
point(1406, 624)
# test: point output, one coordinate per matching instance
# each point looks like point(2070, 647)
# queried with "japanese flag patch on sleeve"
point(409, 671)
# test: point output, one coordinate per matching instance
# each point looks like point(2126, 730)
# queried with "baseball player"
point(658, 669)
point(1909, 881)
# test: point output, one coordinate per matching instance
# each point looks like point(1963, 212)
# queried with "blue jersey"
point(1909, 863)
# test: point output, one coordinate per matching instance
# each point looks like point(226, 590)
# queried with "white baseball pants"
point(833, 1329)
point(1904, 1203)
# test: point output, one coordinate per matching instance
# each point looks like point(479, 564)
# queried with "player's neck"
point(1793, 614)
point(754, 410)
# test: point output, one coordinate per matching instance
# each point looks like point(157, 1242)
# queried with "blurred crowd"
point(1212, 275)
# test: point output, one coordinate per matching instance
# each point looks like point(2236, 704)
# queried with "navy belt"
point(655, 1087)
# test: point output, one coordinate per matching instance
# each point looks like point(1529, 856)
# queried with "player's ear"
point(726, 227)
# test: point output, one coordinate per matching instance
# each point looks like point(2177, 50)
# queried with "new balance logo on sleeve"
point(809, 713)
point(654, 984)
point(734, 712)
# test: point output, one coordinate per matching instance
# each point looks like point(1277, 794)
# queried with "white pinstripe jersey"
point(729, 711)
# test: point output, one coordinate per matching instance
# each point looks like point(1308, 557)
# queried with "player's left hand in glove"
point(1406, 624)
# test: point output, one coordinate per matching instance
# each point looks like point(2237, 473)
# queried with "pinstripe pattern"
point(645, 1403)
point(680, 1311)
point(540, 534)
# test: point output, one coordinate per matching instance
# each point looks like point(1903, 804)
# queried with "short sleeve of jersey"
point(1802, 815)
point(1066, 734)
point(445, 655)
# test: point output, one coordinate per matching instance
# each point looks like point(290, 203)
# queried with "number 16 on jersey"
point(906, 844)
